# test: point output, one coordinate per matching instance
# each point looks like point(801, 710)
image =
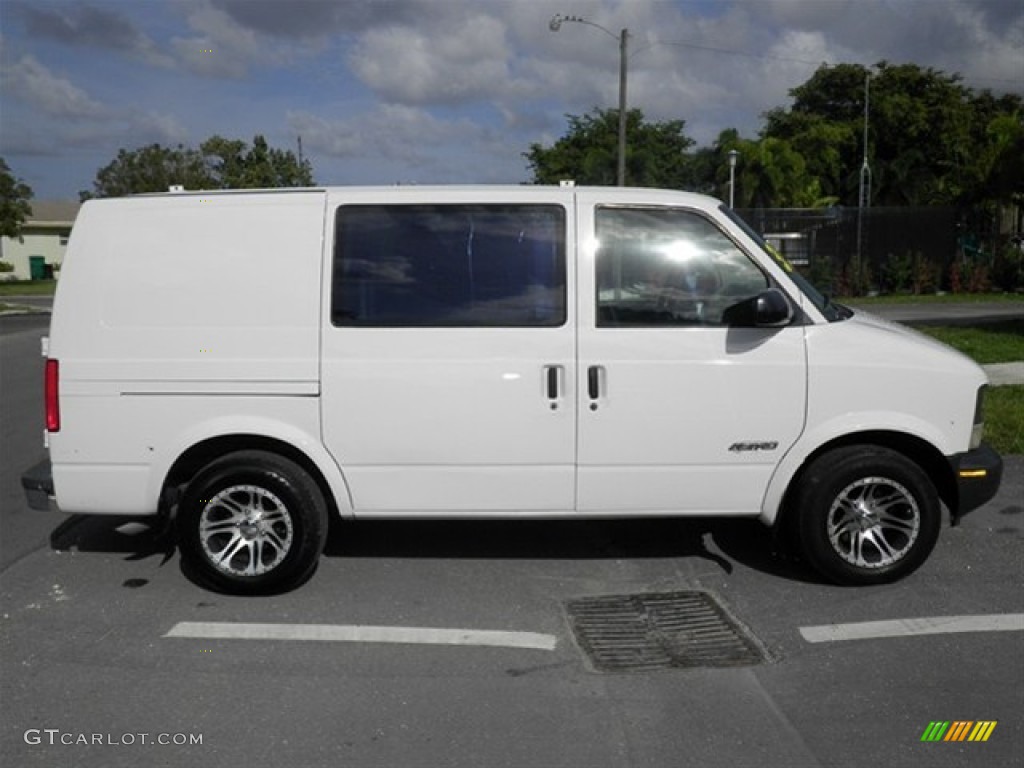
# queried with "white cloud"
point(220, 47)
point(977, 38)
point(332, 138)
point(54, 96)
point(467, 62)
point(996, 55)
point(393, 132)
point(153, 127)
point(396, 143)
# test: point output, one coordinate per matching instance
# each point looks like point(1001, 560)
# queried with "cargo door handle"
point(594, 375)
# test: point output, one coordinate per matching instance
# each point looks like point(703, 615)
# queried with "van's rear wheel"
point(252, 522)
point(866, 515)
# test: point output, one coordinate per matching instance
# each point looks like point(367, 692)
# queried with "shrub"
point(821, 275)
point(910, 272)
point(925, 275)
point(1008, 269)
point(898, 273)
point(854, 282)
point(970, 277)
point(6, 266)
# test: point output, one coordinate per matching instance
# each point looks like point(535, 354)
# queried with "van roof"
point(449, 188)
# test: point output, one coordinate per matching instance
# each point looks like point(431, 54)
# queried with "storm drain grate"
point(623, 633)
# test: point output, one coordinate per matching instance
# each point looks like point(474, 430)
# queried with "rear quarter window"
point(452, 265)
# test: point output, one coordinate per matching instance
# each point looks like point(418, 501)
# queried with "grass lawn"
point(999, 341)
point(1004, 419)
point(931, 298)
point(28, 288)
point(996, 342)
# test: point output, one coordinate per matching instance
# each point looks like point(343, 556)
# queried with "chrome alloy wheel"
point(873, 522)
point(245, 530)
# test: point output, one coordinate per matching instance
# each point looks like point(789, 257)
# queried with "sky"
point(438, 91)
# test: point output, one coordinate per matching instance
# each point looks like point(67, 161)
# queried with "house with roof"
point(39, 251)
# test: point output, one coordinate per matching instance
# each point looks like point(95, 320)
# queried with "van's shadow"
point(718, 541)
point(136, 538)
point(722, 543)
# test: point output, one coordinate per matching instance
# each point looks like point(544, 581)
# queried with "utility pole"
point(620, 174)
point(864, 194)
point(623, 37)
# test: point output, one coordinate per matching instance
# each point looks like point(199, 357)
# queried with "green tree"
point(829, 149)
point(152, 168)
point(929, 138)
point(15, 207)
point(656, 153)
point(997, 132)
point(770, 173)
point(219, 163)
point(235, 165)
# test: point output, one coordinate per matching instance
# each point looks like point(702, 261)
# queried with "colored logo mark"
point(959, 730)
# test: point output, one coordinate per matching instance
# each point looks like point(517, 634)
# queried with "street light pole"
point(733, 154)
point(620, 174)
point(623, 38)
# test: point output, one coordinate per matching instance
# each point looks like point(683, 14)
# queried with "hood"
point(890, 332)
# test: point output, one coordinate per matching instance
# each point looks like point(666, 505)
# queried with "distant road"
point(44, 303)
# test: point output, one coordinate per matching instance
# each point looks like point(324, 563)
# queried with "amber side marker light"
point(51, 395)
point(973, 473)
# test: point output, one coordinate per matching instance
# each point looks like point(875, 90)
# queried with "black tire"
point(866, 515)
point(252, 522)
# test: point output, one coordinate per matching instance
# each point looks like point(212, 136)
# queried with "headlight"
point(979, 418)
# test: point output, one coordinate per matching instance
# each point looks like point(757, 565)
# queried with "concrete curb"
point(1005, 374)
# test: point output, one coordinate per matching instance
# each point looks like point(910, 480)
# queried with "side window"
point(668, 267)
point(449, 266)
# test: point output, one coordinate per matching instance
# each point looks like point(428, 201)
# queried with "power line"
point(768, 56)
point(680, 44)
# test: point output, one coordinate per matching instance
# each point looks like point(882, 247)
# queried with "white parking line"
point(929, 625)
point(362, 634)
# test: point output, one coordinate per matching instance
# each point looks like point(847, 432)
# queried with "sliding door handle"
point(552, 374)
point(595, 374)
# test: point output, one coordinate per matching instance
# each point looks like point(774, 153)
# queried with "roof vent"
point(567, 183)
point(176, 188)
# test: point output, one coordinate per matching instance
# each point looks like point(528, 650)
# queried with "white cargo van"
point(253, 362)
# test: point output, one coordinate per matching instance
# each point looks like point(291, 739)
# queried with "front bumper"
point(38, 486)
point(978, 474)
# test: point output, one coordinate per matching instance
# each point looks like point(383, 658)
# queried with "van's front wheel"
point(866, 515)
point(252, 522)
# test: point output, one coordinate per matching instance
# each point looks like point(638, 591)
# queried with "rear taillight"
point(52, 395)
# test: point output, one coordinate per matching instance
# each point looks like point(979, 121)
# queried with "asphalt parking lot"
point(455, 644)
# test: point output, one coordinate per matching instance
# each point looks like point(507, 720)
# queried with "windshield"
point(832, 312)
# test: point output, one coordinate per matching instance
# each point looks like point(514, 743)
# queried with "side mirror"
point(768, 309)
